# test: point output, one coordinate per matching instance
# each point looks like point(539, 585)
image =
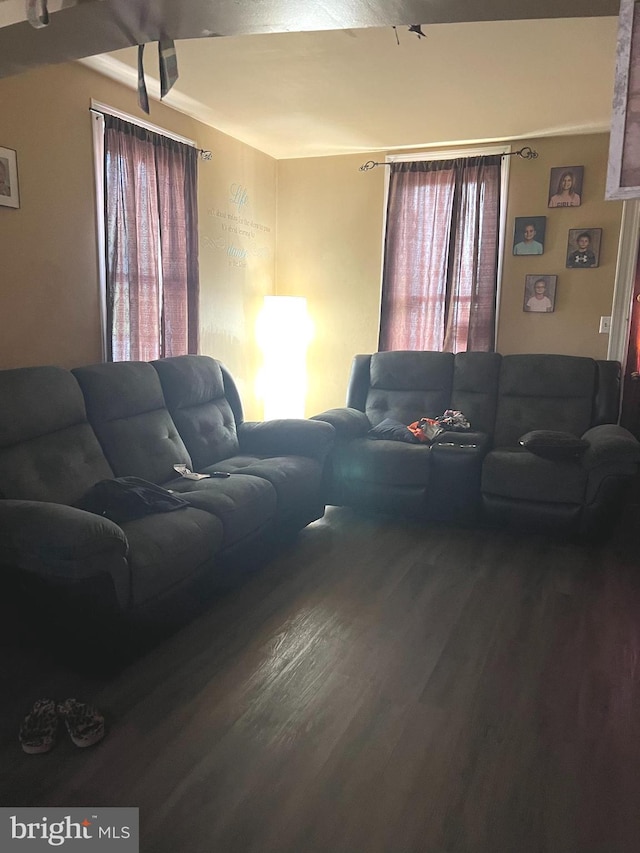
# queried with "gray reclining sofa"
point(63, 431)
point(485, 472)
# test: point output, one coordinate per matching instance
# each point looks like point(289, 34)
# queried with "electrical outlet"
point(605, 325)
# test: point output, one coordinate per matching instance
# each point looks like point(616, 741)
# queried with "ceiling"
point(298, 79)
point(302, 94)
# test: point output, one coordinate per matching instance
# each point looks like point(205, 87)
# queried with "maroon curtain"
point(152, 243)
point(441, 255)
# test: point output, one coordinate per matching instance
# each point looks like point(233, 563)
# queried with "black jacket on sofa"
point(485, 469)
point(61, 432)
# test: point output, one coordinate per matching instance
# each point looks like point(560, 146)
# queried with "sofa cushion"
point(168, 548)
point(48, 450)
point(195, 394)
point(388, 463)
point(127, 410)
point(552, 444)
point(244, 505)
point(297, 480)
point(407, 386)
point(516, 473)
point(551, 392)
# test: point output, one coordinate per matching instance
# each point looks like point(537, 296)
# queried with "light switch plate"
point(605, 325)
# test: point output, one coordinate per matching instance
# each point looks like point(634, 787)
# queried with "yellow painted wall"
point(582, 296)
point(330, 219)
point(49, 300)
point(329, 241)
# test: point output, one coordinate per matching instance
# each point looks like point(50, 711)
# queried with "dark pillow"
point(392, 431)
point(552, 444)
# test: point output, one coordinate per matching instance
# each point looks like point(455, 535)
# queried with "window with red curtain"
point(441, 255)
point(151, 243)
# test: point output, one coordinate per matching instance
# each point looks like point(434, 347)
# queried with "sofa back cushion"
point(406, 385)
point(194, 389)
point(127, 410)
point(48, 451)
point(544, 392)
point(475, 388)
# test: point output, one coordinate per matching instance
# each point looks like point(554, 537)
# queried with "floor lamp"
point(283, 333)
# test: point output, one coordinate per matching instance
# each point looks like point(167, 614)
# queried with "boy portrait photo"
point(540, 293)
point(583, 248)
point(528, 235)
point(565, 186)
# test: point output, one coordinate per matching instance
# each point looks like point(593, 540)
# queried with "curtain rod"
point(102, 109)
point(525, 153)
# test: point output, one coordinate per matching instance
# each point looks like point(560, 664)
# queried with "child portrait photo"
point(565, 186)
point(528, 235)
point(540, 293)
point(583, 248)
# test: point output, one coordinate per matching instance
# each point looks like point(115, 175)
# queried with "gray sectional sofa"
point(63, 431)
point(484, 473)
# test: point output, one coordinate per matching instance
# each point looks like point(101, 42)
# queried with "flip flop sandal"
point(83, 722)
point(39, 728)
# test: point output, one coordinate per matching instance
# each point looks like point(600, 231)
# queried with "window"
point(440, 274)
point(150, 243)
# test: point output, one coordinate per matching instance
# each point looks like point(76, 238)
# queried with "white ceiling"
point(302, 94)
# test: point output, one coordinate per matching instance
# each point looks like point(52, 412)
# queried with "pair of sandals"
point(39, 729)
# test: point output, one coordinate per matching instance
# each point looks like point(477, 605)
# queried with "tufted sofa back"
point(475, 388)
point(503, 396)
point(407, 385)
point(127, 410)
point(403, 385)
point(554, 392)
point(204, 404)
point(48, 451)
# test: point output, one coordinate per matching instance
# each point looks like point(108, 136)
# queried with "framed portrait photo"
point(540, 293)
point(583, 248)
point(565, 186)
point(9, 196)
point(528, 235)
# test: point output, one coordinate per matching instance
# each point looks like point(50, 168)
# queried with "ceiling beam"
point(99, 26)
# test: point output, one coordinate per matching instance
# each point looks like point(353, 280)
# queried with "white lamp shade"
point(283, 331)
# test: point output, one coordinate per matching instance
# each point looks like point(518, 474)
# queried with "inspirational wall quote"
point(239, 230)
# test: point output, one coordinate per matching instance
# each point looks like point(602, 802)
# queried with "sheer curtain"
point(152, 243)
point(441, 255)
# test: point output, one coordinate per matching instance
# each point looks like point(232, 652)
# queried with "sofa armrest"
point(348, 423)
point(62, 543)
point(286, 437)
point(610, 443)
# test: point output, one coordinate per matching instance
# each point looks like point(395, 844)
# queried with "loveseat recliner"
point(484, 473)
point(63, 431)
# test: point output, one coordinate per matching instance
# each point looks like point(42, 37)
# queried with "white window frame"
point(624, 281)
point(454, 154)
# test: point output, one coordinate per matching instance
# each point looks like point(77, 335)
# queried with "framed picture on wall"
point(540, 293)
point(9, 196)
point(565, 186)
point(583, 248)
point(528, 235)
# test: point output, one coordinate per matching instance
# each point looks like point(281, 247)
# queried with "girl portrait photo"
point(565, 186)
point(540, 293)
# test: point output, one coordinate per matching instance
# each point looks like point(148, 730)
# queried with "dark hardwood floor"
point(380, 686)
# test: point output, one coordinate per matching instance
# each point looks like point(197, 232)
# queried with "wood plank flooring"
point(379, 687)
